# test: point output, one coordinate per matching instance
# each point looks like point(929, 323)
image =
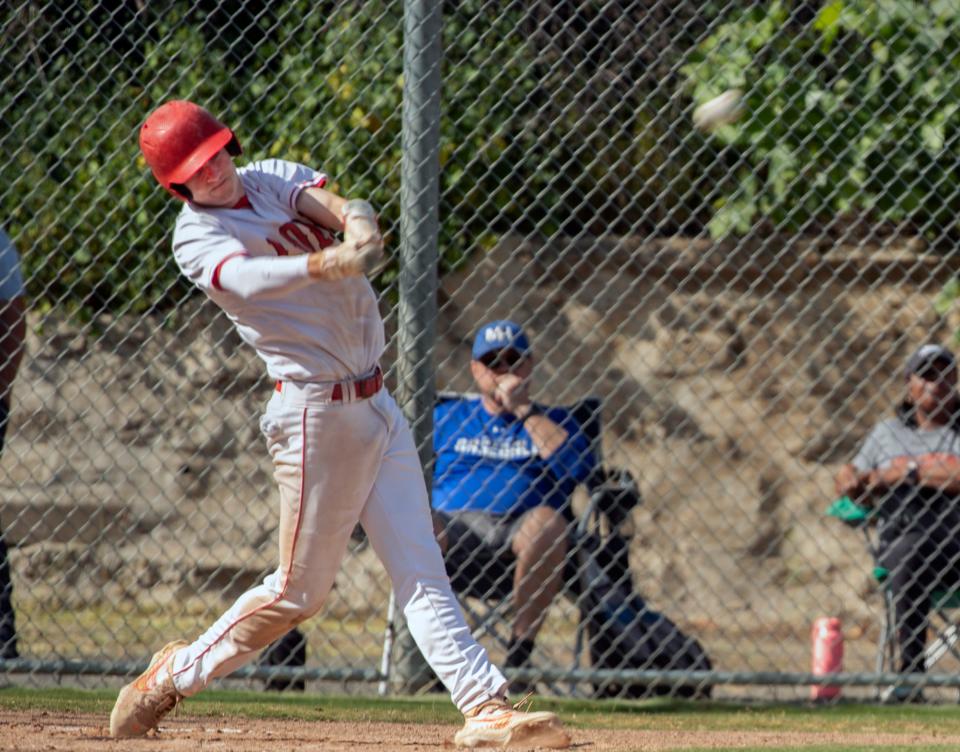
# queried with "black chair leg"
point(290, 650)
point(8, 629)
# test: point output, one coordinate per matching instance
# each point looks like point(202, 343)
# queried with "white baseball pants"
point(337, 463)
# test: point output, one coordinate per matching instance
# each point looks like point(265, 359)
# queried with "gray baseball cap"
point(926, 355)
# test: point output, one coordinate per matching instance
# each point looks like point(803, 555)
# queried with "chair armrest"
point(613, 493)
point(848, 511)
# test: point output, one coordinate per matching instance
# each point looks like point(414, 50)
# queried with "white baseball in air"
point(726, 108)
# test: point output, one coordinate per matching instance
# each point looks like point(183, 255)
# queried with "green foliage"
point(854, 112)
point(528, 141)
point(92, 225)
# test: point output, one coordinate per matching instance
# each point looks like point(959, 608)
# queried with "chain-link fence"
point(740, 301)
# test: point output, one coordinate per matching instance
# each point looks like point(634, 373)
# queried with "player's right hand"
point(359, 253)
point(345, 260)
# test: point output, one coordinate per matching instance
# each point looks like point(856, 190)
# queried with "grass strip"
point(650, 715)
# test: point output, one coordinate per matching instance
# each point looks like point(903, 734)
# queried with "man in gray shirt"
point(909, 469)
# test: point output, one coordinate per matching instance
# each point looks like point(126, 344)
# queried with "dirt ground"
point(29, 731)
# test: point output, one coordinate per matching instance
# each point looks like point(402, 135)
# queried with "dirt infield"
point(35, 731)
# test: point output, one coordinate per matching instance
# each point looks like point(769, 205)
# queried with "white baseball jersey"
point(312, 330)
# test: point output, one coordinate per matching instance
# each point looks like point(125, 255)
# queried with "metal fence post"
point(419, 229)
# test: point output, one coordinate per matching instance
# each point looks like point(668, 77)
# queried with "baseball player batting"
point(262, 242)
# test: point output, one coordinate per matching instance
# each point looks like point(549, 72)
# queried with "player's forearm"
point(344, 260)
point(269, 277)
point(322, 207)
point(260, 278)
point(264, 277)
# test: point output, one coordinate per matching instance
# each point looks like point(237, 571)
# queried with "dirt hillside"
point(734, 381)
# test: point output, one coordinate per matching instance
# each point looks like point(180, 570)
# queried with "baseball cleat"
point(496, 723)
point(143, 702)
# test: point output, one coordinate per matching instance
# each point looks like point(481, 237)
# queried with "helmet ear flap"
point(181, 190)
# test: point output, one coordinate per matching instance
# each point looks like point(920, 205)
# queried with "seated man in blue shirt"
point(505, 471)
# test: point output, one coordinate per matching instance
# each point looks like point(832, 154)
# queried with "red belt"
point(362, 388)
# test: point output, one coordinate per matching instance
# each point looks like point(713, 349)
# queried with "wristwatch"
point(913, 473)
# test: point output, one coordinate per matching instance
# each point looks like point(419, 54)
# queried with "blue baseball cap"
point(500, 335)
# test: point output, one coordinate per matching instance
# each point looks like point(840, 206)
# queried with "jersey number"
point(304, 236)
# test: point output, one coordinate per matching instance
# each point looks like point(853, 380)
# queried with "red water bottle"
point(827, 655)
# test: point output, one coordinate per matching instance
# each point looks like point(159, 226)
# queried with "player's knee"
point(296, 603)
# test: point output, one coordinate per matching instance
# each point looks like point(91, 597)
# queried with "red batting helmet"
point(178, 138)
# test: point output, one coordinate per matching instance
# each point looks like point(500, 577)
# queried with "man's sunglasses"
point(502, 358)
point(935, 371)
